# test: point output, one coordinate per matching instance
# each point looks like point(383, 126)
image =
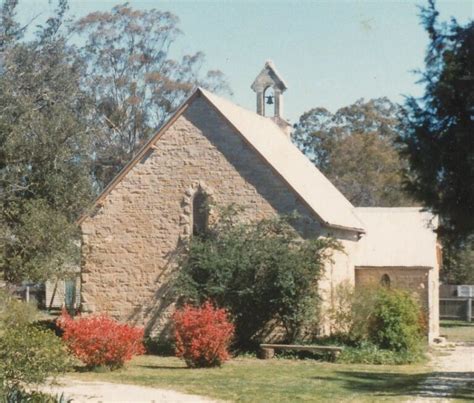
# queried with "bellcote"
point(269, 87)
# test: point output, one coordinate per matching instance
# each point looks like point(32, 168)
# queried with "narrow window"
point(385, 281)
point(200, 213)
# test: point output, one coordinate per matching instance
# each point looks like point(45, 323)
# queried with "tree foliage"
point(439, 139)
point(458, 260)
point(45, 139)
point(260, 272)
point(355, 148)
point(71, 118)
point(10, 30)
point(135, 83)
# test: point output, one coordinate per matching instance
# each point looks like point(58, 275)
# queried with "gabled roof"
point(397, 237)
point(268, 76)
point(264, 135)
point(268, 140)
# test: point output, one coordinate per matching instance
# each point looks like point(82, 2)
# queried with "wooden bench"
point(268, 350)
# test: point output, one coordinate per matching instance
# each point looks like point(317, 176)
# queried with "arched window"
point(200, 213)
point(385, 281)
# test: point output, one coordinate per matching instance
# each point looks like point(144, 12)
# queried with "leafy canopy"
point(73, 110)
point(458, 260)
point(45, 150)
point(355, 148)
point(260, 272)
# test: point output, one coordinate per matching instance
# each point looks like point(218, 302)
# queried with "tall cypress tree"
point(439, 139)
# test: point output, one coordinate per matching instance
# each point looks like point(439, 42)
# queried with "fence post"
point(469, 309)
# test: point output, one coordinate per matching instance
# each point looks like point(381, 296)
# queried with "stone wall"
point(421, 281)
point(129, 245)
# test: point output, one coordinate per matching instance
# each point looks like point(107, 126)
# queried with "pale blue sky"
point(330, 52)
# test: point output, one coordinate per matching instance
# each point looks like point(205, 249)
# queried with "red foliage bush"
point(100, 340)
point(202, 335)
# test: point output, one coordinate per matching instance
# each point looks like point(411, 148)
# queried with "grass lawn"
point(456, 330)
point(253, 380)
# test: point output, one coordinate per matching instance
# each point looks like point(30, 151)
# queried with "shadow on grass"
point(456, 324)
point(160, 367)
point(97, 370)
point(81, 368)
point(455, 385)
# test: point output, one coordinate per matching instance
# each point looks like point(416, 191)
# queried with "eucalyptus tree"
point(135, 82)
point(356, 149)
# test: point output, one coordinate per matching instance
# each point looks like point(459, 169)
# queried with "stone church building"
point(213, 149)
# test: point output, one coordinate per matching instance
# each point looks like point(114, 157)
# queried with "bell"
point(270, 100)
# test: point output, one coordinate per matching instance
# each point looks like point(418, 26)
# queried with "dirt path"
point(453, 376)
point(81, 392)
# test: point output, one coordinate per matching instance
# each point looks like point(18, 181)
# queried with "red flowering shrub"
point(203, 335)
point(100, 340)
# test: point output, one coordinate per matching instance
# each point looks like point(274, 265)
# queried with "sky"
point(330, 53)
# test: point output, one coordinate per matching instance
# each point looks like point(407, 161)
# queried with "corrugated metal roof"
point(295, 168)
point(401, 236)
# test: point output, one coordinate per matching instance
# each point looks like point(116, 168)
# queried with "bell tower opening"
point(269, 102)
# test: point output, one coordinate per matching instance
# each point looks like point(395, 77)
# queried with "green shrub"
point(390, 319)
point(263, 273)
point(350, 312)
point(377, 325)
point(368, 353)
point(341, 314)
point(365, 299)
point(395, 321)
point(20, 395)
point(14, 313)
point(29, 356)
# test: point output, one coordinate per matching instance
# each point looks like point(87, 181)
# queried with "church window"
point(385, 281)
point(200, 213)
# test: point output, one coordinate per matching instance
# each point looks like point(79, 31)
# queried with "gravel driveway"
point(112, 392)
point(453, 376)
